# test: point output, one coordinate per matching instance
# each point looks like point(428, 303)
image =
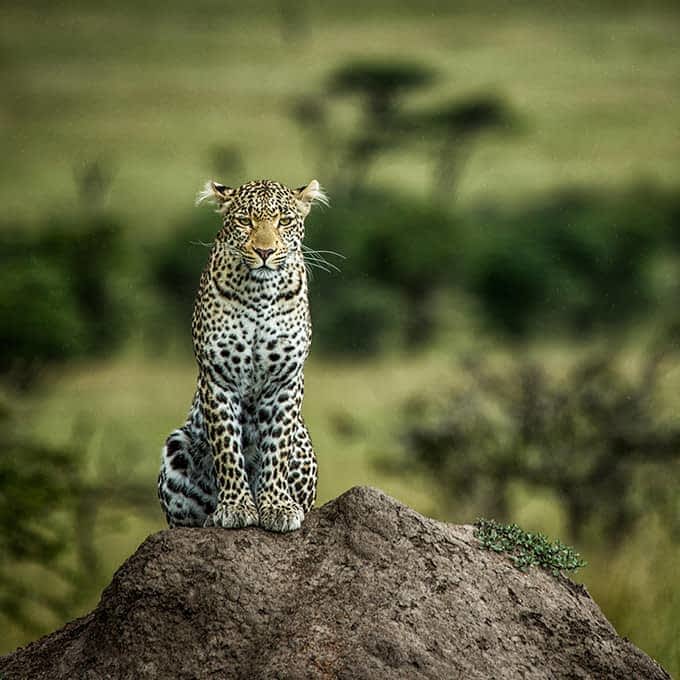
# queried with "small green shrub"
point(526, 549)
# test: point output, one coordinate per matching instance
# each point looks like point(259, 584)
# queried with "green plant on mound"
point(525, 548)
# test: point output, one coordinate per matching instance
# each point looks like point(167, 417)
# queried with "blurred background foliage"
point(501, 337)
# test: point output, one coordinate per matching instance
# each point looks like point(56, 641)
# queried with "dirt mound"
point(367, 589)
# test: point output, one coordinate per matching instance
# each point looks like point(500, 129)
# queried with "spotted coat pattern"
point(244, 456)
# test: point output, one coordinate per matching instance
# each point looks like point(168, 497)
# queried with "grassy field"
point(152, 94)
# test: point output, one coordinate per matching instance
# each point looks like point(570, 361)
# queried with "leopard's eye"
point(242, 220)
point(285, 221)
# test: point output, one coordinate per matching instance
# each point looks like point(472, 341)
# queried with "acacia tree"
point(380, 88)
point(452, 127)
point(455, 127)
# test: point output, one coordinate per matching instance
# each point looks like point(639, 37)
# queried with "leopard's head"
point(263, 221)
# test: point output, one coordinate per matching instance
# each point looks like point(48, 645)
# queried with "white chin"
point(263, 273)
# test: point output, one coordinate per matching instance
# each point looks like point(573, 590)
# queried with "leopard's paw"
point(234, 515)
point(280, 515)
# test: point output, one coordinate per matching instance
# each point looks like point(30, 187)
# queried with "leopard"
point(244, 456)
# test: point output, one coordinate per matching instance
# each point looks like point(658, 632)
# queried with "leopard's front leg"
point(221, 410)
point(277, 413)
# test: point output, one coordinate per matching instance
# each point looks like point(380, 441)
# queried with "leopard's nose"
point(264, 253)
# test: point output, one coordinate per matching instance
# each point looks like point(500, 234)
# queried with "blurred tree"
point(577, 261)
point(61, 293)
point(380, 87)
point(227, 163)
point(406, 246)
point(593, 440)
point(311, 115)
point(402, 247)
point(386, 124)
point(93, 180)
point(456, 126)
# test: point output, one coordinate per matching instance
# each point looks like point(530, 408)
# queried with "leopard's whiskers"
point(316, 258)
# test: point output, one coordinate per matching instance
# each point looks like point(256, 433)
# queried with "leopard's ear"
point(308, 195)
point(215, 193)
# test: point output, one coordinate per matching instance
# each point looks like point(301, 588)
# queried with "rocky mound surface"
point(368, 588)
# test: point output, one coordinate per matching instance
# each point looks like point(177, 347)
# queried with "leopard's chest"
point(254, 345)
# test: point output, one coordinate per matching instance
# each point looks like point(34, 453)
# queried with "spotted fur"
point(244, 456)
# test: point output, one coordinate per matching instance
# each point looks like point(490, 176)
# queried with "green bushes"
point(360, 318)
point(61, 293)
point(396, 252)
point(573, 263)
point(39, 312)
